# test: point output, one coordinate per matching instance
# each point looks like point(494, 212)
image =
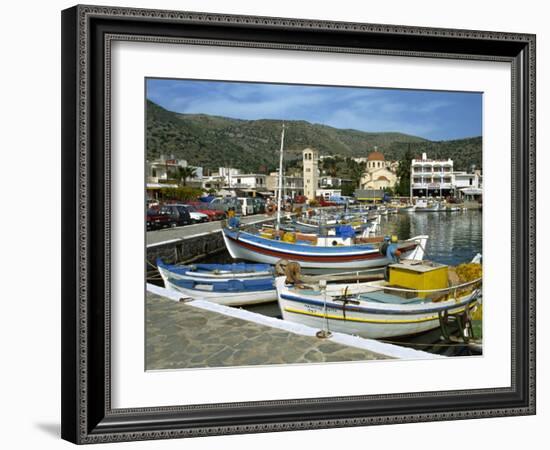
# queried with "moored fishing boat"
point(431, 207)
point(407, 209)
point(363, 225)
point(226, 284)
point(378, 309)
point(339, 252)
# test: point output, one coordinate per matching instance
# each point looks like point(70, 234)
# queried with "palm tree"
point(330, 167)
point(356, 172)
point(183, 173)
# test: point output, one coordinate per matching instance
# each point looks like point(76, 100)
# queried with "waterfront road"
point(175, 234)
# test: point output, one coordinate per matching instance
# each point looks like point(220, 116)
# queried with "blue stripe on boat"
point(254, 285)
point(358, 249)
point(308, 301)
point(205, 268)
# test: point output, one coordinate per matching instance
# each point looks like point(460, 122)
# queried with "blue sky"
point(434, 115)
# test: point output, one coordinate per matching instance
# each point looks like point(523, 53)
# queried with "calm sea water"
point(455, 237)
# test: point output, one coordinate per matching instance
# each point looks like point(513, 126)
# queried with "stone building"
point(311, 172)
point(379, 173)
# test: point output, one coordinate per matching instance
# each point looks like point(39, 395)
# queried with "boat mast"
point(279, 198)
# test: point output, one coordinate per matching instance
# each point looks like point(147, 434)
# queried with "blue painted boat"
point(226, 284)
point(337, 252)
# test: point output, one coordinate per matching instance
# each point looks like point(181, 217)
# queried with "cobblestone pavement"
point(183, 336)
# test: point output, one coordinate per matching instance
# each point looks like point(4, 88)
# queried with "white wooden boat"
point(373, 309)
point(225, 284)
point(318, 252)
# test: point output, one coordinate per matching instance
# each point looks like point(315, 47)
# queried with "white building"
point(327, 193)
point(215, 182)
point(311, 172)
point(330, 182)
point(379, 173)
point(163, 168)
point(431, 177)
point(227, 173)
point(467, 180)
point(292, 185)
point(249, 180)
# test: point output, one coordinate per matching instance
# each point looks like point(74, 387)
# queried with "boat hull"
point(374, 321)
point(241, 246)
point(185, 273)
point(203, 287)
point(225, 298)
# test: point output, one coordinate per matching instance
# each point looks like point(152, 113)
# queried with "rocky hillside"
point(252, 145)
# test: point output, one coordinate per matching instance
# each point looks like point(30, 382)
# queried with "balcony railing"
point(432, 186)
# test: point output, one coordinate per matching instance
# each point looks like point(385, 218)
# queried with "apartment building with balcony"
point(432, 177)
point(293, 184)
point(249, 180)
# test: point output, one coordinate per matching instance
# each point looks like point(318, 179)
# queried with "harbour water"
point(455, 237)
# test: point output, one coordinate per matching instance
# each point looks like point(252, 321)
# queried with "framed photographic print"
point(281, 224)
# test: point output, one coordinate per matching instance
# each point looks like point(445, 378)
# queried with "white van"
point(246, 206)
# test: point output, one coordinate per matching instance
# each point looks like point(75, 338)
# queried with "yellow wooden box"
point(423, 276)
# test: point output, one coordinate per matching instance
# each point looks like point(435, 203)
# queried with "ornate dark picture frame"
point(87, 33)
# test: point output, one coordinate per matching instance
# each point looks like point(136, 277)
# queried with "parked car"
point(178, 214)
point(259, 205)
point(226, 203)
point(197, 216)
point(210, 211)
point(323, 202)
point(156, 220)
point(246, 208)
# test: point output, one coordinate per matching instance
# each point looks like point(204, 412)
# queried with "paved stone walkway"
point(182, 336)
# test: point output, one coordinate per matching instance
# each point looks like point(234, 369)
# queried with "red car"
point(323, 202)
point(213, 214)
point(156, 220)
